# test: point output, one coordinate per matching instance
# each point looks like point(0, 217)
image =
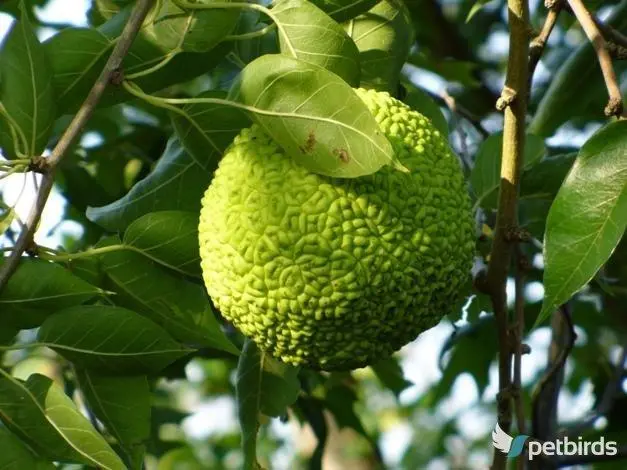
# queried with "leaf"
point(26, 92)
point(587, 218)
point(343, 10)
point(543, 179)
point(575, 77)
point(6, 219)
point(43, 416)
point(389, 372)
point(317, 39)
point(14, 455)
point(263, 386)
point(38, 289)
point(314, 115)
point(420, 101)
point(486, 173)
point(206, 130)
point(176, 183)
point(179, 306)
point(463, 72)
point(383, 36)
point(122, 404)
point(168, 236)
point(476, 8)
point(77, 68)
point(111, 339)
point(173, 27)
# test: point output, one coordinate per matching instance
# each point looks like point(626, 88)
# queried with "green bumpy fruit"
point(333, 273)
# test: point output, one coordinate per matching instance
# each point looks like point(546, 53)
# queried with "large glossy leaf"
point(111, 339)
point(383, 36)
point(38, 289)
point(587, 218)
point(26, 90)
point(179, 306)
point(43, 416)
point(176, 183)
point(314, 115)
point(263, 386)
point(14, 455)
point(171, 237)
point(317, 39)
point(122, 404)
point(420, 101)
point(486, 174)
point(207, 129)
point(173, 28)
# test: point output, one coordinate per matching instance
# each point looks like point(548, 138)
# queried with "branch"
point(111, 71)
point(522, 266)
point(615, 103)
point(536, 48)
point(514, 103)
point(616, 41)
point(545, 396)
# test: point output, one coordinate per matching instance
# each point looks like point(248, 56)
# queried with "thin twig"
point(513, 102)
point(111, 69)
point(615, 103)
point(536, 48)
point(616, 41)
point(456, 108)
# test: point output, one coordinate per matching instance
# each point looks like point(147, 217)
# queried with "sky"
point(419, 358)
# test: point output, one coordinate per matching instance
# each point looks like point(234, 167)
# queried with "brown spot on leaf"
point(310, 143)
point(342, 154)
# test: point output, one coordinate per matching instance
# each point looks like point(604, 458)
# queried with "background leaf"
point(264, 386)
point(111, 339)
point(41, 414)
point(14, 455)
point(317, 39)
point(587, 218)
point(26, 91)
point(343, 10)
point(38, 289)
point(122, 404)
point(383, 36)
point(314, 116)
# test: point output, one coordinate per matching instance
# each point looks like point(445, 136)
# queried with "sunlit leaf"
point(587, 218)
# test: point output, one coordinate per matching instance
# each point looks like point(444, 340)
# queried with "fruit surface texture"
point(332, 273)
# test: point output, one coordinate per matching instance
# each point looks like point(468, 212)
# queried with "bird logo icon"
point(512, 446)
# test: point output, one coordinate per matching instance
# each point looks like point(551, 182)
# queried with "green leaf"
point(168, 236)
point(389, 372)
point(176, 183)
point(6, 218)
point(206, 130)
point(476, 8)
point(14, 455)
point(543, 180)
point(383, 36)
point(111, 339)
point(122, 404)
point(314, 115)
point(173, 27)
point(463, 72)
point(575, 77)
point(43, 416)
point(317, 39)
point(38, 289)
point(26, 91)
point(179, 306)
point(420, 101)
point(76, 68)
point(263, 386)
point(344, 10)
point(587, 218)
point(486, 174)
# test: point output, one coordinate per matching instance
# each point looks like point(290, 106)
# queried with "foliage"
point(107, 332)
